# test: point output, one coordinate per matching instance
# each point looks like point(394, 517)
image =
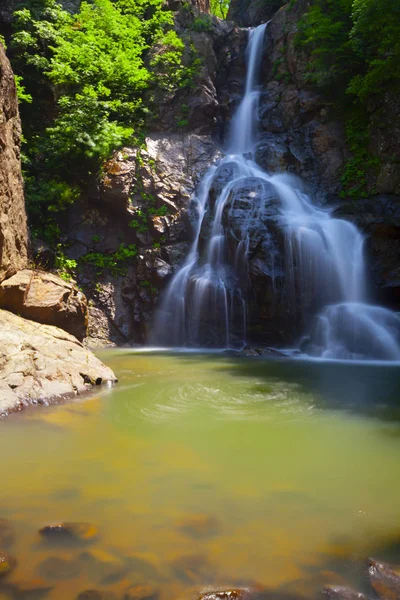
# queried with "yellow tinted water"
point(205, 470)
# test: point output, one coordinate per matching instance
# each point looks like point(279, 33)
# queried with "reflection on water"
point(208, 470)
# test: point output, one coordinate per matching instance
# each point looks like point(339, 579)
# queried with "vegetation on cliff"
point(355, 57)
point(92, 77)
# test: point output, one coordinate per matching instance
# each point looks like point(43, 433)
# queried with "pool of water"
point(207, 470)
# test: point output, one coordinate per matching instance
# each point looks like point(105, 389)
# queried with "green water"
point(208, 470)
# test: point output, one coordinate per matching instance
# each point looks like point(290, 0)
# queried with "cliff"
point(38, 363)
point(13, 227)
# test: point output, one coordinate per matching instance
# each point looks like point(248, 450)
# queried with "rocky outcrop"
point(13, 229)
point(40, 363)
point(299, 131)
point(45, 298)
point(143, 199)
point(250, 13)
point(37, 362)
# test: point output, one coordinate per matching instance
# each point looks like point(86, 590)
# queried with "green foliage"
point(97, 66)
point(219, 8)
point(202, 23)
point(114, 262)
point(354, 46)
point(355, 176)
point(65, 266)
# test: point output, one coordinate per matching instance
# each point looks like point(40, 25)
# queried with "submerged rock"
point(340, 592)
point(82, 532)
point(384, 579)
point(96, 595)
point(56, 567)
point(7, 535)
point(7, 564)
point(193, 568)
point(102, 567)
point(33, 589)
point(199, 526)
point(141, 592)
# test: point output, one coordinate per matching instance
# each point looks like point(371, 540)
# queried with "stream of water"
point(323, 255)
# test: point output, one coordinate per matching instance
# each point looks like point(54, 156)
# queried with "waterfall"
point(206, 303)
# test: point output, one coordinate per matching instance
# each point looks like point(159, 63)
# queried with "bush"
point(88, 75)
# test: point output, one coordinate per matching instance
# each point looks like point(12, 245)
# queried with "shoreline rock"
point(40, 364)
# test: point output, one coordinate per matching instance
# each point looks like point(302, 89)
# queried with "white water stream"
point(205, 302)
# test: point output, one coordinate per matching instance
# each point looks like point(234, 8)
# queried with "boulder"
point(47, 299)
point(340, 592)
point(41, 362)
point(13, 228)
point(384, 579)
point(7, 534)
point(141, 592)
point(82, 532)
point(7, 564)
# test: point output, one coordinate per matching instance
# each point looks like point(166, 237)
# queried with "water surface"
point(209, 470)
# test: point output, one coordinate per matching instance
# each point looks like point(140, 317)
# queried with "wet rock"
point(96, 595)
point(234, 594)
point(378, 218)
point(7, 564)
point(340, 592)
point(83, 532)
point(384, 579)
point(199, 526)
point(56, 567)
point(193, 568)
point(7, 535)
point(35, 589)
point(45, 298)
point(141, 592)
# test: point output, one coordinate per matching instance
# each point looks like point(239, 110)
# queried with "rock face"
point(13, 230)
point(40, 362)
point(45, 298)
point(250, 13)
point(379, 219)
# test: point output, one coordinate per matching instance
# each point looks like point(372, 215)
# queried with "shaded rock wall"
point(13, 228)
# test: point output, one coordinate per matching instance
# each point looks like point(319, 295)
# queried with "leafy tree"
point(88, 75)
point(219, 8)
point(354, 46)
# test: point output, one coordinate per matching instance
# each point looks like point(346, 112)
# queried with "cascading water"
point(206, 301)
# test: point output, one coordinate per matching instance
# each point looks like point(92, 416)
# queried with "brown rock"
point(193, 568)
point(13, 229)
point(39, 363)
point(56, 567)
point(103, 567)
point(96, 595)
point(340, 592)
point(47, 299)
point(7, 564)
point(34, 589)
point(83, 532)
point(141, 592)
point(384, 579)
point(235, 594)
point(199, 526)
point(7, 535)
